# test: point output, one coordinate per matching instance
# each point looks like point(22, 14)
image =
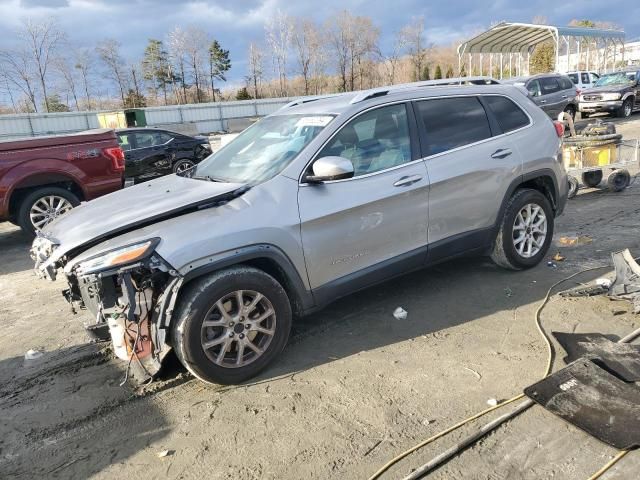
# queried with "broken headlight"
point(117, 257)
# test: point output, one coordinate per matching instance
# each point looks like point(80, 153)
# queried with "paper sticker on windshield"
point(314, 121)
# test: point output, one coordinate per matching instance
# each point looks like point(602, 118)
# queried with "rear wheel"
point(526, 231)
point(182, 166)
point(231, 325)
point(42, 206)
point(592, 178)
point(618, 180)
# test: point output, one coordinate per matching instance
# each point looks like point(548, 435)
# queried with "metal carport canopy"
point(519, 37)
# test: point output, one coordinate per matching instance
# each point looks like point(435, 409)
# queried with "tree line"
point(43, 72)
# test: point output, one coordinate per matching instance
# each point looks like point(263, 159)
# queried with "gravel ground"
point(354, 387)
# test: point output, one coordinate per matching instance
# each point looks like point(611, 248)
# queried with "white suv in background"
point(583, 80)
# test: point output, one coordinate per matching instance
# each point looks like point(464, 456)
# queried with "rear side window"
point(510, 116)
point(565, 83)
point(453, 122)
point(549, 85)
point(533, 88)
point(574, 78)
point(585, 78)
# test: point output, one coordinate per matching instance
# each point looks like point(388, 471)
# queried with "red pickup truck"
point(42, 178)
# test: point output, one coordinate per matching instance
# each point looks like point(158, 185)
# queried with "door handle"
point(543, 101)
point(564, 96)
point(406, 181)
point(501, 153)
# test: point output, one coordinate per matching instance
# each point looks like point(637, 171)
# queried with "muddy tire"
point(574, 185)
point(41, 206)
point(592, 178)
point(618, 180)
point(228, 326)
point(525, 232)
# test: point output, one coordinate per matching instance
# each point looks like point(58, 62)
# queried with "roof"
point(518, 37)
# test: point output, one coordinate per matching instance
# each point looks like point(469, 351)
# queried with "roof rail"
point(301, 100)
point(380, 91)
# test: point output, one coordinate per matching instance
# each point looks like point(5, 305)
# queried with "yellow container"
point(576, 158)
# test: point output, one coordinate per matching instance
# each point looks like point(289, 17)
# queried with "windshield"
point(620, 78)
point(263, 150)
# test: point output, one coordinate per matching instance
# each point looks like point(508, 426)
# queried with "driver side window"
point(374, 141)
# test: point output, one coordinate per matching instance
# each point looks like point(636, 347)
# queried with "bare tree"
point(412, 36)
point(278, 31)
point(177, 42)
point(42, 40)
point(256, 61)
point(307, 44)
point(68, 74)
point(15, 69)
point(109, 52)
point(84, 65)
point(195, 48)
point(391, 59)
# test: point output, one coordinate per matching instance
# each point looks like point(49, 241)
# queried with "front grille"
point(592, 98)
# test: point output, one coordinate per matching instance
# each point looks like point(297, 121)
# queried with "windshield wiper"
point(209, 178)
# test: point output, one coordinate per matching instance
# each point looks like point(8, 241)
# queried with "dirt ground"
point(354, 387)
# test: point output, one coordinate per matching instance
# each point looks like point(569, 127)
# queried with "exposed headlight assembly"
point(117, 257)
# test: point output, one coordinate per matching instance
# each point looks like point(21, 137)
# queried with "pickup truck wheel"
point(42, 206)
point(230, 325)
point(525, 232)
point(182, 166)
point(625, 110)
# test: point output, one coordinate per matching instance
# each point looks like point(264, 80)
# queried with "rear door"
point(151, 157)
point(360, 230)
point(552, 99)
point(471, 162)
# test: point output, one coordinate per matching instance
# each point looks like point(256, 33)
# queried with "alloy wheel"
point(184, 166)
point(238, 328)
point(627, 108)
point(529, 230)
point(47, 209)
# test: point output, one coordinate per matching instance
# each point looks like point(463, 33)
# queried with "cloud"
point(44, 3)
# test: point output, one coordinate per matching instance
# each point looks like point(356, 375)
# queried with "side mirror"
point(330, 168)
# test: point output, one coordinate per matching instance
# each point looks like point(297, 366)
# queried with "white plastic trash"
point(603, 282)
point(400, 313)
point(33, 355)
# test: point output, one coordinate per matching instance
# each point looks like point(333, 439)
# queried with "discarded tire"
point(573, 186)
point(592, 178)
point(618, 180)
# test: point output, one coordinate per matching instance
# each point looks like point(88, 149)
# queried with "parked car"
point(316, 201)
point(552, 92)
point(42, 178)
point(617, 93)
point(583, 80)
point(151, 153)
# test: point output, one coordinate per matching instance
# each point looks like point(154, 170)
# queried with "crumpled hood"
point(129, 208)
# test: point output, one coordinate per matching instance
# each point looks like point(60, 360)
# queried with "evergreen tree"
point(543, 59)
point(219, 64)
point(155, 67)
point(243, 94)
point(449, 73)
point(426, 74)
point(438, 74)
point(134, 99)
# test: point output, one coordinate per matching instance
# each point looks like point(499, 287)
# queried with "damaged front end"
point(129, 290)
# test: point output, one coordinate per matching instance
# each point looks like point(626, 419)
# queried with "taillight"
point(559, 128)
point(117, 157)
point(578, 91)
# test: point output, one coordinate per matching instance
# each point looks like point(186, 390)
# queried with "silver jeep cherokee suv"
point(322, 198)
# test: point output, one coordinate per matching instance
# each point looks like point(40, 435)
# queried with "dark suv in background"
point(616, 92)
point(151, 153)
point(552, 92)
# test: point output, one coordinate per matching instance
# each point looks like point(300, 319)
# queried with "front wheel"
point(182, 166)
point(626, 109)
point(525, 232)
point(231, 324)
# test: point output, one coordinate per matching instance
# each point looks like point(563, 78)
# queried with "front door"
point(359, 230)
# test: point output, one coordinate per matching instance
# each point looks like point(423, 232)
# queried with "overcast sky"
point(237, 22)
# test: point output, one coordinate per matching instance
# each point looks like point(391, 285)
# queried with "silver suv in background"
point(323, 198)
point(552, 92)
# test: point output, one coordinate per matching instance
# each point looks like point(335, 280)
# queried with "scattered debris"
point(603, 282)
point(428, 421)
point(33, 355)
point(478, 376)
point(165, 453)
point(552, 264)
point(492, 402)
point(574, 241)
point(558, 258)
point(626, 285)
point(508, 292)
point(400, 313)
